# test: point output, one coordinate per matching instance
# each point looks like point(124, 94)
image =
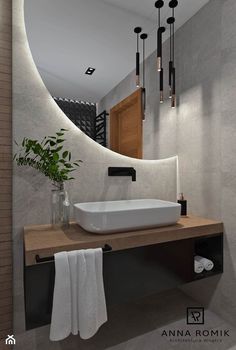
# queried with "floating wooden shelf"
point(45, 241)
point(140, 263)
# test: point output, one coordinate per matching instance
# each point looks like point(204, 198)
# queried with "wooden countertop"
point(45, 241)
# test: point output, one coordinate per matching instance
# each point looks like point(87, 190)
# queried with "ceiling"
point(66, 37)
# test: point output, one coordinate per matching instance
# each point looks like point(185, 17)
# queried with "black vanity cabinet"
point(138, 264)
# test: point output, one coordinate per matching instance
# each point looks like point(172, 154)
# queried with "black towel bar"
point(106, 248)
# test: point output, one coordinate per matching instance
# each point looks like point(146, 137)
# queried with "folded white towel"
point(101, 300)
point(208, 264)
point(198, 266)
point(86, 309)
point(73, 262)
point(61, 315)
point(92, 306)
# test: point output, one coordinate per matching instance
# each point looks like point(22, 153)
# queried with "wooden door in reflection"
point(126, 126)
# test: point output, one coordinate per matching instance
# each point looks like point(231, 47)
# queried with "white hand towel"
point(79, 300)
point(208, 264)
point(73, 263)
point(92, 305)
point(101, 300)
point(61, 311)
point(198, 266)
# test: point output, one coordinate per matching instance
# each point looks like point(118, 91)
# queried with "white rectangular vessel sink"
point(125, 215)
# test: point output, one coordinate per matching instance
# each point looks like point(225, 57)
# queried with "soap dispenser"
point(183, 203)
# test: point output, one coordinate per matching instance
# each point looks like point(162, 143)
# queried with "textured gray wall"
point(35, 114)
point(211, 139)
point(202, 131)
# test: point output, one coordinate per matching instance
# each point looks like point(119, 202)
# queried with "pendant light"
point(173, 98)
point(173, 4)
point(170, 21)
point(159, 4)
point(143, 37)
point(161, 86)
point(137, 31)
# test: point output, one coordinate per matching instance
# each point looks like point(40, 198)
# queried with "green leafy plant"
point(48, 157)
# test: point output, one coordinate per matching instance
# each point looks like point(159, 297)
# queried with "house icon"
point(10, 340)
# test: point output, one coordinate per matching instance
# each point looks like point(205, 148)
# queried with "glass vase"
point(57, 200)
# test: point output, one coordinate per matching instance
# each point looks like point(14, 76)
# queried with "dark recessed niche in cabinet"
point(210, 248)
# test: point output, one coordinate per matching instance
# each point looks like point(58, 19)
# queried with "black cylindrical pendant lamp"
point(137, 69)
point(170, 78)
point(137, 31)
point(159, 4)
point(160, 31)
point(173, 97)
point(161, 86)
point(170, 21)
point(143, 37)
point(173, 4)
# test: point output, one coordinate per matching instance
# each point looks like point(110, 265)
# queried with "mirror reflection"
point(86, 53)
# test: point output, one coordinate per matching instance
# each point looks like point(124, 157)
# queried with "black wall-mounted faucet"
point(122, 171)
